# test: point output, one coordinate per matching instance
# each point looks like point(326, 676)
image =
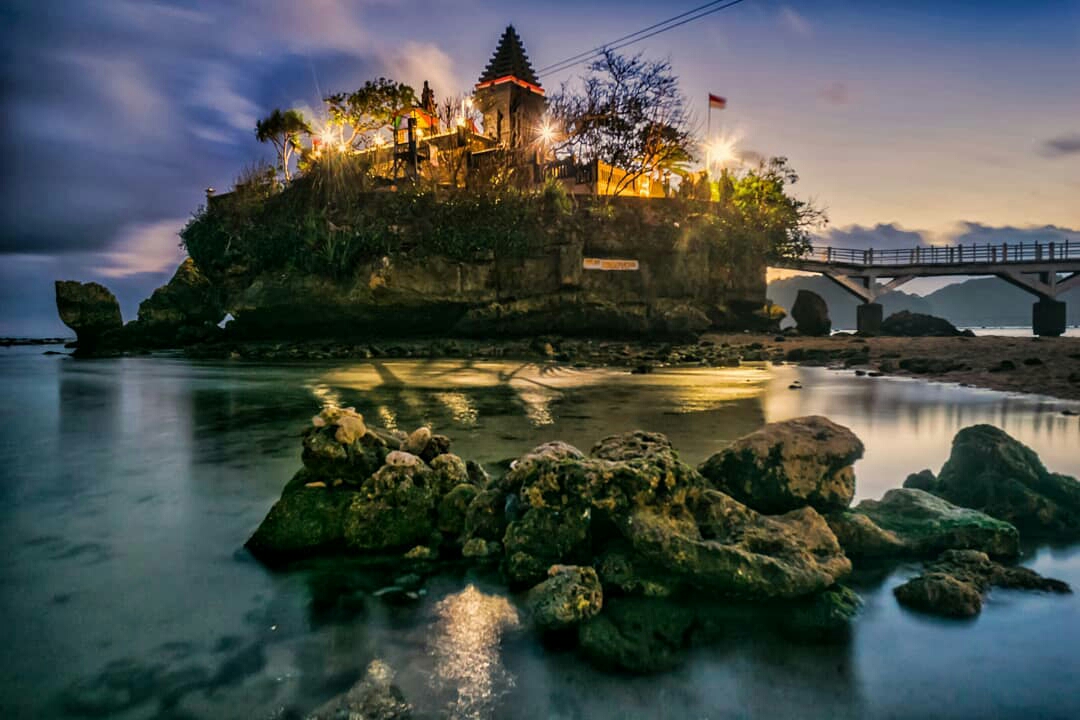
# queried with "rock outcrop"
point(89, 309)
point(358, 492)
point(915, 523)
point(811, 314)
point(909, 324)
point(990, 471)
point(189, 304)
point(953, 585)
point(789, 465)
point(634, 493)
point(567, 598)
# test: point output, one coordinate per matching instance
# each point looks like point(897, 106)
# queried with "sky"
point(909, 122)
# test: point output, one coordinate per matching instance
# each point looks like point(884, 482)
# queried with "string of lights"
point(643, 34)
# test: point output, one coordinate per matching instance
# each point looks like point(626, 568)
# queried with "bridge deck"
point(942, 259)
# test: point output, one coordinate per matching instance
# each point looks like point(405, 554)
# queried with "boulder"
point(394, 508)
point(788, 465)
point(824, 616)
point(454, 507)
point(339, 448)
point(923, 525)
point(940, 594)
point(992, 472)
point(89, 309)
point(811, 314)
point(909, 324)
point(569, 596)
point(953, 585)
point(189, 299)
point(732, 550)
point(638, 635)
point(634, 495)
point(375, 697)
point(305, 521)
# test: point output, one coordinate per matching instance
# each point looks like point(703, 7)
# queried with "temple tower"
point(509, 95)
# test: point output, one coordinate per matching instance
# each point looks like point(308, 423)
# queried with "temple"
point(498, 130)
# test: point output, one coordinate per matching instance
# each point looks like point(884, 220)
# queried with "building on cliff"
point(511, 136)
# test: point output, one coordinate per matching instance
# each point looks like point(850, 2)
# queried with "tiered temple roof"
point(510, 60)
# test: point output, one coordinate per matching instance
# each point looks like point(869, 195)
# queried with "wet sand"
point(1044, 366)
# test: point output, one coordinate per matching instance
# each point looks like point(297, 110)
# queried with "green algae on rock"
point(907, 521)
point(991, 471)
point(569, 596)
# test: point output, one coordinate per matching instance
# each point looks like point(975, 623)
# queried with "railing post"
point(1005, 252)
point(993, 254)
point(1038, 250)
point(960, 253)
point(1051, 250)
point(828, 254)
point(871, 256)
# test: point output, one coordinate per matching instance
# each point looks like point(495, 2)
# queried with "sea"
point(128, 487)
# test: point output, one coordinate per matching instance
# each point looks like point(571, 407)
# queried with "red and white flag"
point(715, 101)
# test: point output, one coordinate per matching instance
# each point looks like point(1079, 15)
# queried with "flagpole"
point(708, 138)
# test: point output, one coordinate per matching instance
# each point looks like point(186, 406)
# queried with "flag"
point(715, 101)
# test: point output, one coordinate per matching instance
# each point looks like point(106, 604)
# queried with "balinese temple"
point(509, 95)
point(510, 100)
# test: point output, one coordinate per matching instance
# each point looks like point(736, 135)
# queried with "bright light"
point(546, 133)
point(722, 151)
point(327, 136)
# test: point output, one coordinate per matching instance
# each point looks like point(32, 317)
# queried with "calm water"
point(129, 486)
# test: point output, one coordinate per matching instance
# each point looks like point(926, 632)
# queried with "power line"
point(598, 48)
point(626, 40)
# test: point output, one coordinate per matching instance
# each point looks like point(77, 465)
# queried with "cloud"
point(881, 236)
point(890, 236)
point(1062, 146)
point(795, 22)
point(144, 248)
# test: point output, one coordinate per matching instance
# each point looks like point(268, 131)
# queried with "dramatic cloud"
point(882, 236)
point(1062, 146)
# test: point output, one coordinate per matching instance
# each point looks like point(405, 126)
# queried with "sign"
point(610, 264)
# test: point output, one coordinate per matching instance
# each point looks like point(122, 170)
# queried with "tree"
point(756, 206)
point(283, 130)
point(364, 112)
point(629, 115)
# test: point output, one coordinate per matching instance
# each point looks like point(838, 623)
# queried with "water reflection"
point(468, 632)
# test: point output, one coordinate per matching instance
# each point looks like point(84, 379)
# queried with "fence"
point(948, 254)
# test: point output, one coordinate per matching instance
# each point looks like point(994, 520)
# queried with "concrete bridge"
point(1044, 269)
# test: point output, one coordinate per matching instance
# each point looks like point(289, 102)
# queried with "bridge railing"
point(948, 254)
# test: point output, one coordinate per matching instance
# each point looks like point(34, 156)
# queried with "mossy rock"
point(988, 470)
point(453, 508)
point(638, 635)
point(788, 465)
point(569, 596)
point(304, 522)
point(823, 617)
point(928, 525)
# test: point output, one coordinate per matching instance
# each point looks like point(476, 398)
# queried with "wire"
point(643, 34)
point(598, 48)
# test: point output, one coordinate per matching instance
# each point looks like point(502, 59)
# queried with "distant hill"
point(976, 302)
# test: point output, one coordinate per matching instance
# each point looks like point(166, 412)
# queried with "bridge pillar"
point(868, 318)
point(1048, 318)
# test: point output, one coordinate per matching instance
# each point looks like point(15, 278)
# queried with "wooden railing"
point(948, 254)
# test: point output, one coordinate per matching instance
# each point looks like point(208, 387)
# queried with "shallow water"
point(129, 486)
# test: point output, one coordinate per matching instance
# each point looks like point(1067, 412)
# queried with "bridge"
point(1044, 269)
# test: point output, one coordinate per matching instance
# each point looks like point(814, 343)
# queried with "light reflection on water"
point(127, 488)
point(466, 648)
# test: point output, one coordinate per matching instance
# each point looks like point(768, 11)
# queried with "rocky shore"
point(613, 550)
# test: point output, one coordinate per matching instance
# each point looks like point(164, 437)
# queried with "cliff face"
point(677, 288)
